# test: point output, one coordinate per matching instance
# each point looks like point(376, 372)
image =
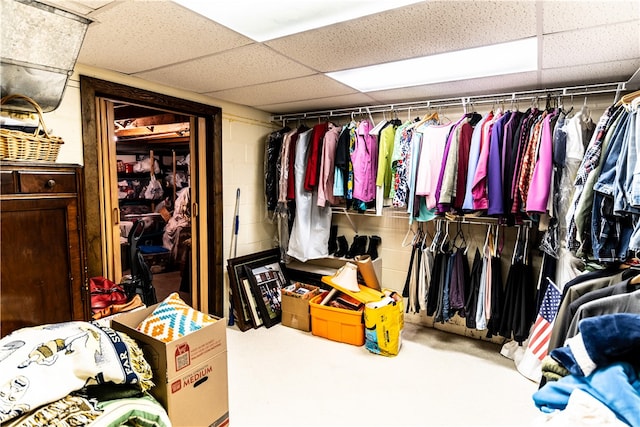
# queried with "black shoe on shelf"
point(343, 247)
point(358, 247)
point(333, 243)
point(374, 242)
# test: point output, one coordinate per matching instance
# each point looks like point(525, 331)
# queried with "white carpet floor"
point(285, 377)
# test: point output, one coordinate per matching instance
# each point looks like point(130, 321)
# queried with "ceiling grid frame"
point(431, 26)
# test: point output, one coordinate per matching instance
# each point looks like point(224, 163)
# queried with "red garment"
point(291, 190)
point(314, 156)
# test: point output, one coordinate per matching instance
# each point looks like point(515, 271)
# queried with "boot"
point(333, 243)
point(358, 247)
point(343, 247)
point(374, 242)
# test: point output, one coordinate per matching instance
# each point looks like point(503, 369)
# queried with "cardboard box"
point(190, 373)
point(199, 396)
point(295, 306)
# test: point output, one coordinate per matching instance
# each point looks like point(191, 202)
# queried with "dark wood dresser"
point(43, 276)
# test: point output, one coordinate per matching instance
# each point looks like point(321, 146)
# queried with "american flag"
point(539, 339)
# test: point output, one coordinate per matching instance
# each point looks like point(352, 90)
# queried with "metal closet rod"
point(584, 90)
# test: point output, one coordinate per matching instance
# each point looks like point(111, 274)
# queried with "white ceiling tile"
point(584, 42)
point(606, 72)
point(316, 86)
point(422, 29)
point(594, 45)
point(244, 66)
point(566, 15)
point(329, 103)
point(79, 7)
point(465, 88)
point(131, 36)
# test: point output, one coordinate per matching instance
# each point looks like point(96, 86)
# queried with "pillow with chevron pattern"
point(172, 319)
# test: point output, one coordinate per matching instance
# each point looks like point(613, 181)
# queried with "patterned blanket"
point(43, 364)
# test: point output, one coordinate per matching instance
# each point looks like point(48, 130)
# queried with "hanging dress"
point(309, 237)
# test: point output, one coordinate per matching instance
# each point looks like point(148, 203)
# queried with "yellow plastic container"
point(336, 324)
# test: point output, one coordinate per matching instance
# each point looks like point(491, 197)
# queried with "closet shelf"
point(584, 90)
point(390, 212)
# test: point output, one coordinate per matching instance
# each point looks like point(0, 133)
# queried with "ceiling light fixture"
point(267, 20)
point(493, 60)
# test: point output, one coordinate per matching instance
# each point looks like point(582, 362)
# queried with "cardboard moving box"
point(190, 373)
point(295, 305)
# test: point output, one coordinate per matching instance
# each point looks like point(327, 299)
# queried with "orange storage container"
point(336, 324)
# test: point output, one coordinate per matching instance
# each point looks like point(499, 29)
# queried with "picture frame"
point(239, 305)
point(267, 278)
point(243, 302)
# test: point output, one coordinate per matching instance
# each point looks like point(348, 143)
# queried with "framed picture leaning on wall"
point(245, 307)
point(267, 278)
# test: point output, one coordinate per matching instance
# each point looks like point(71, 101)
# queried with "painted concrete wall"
point(243, 138)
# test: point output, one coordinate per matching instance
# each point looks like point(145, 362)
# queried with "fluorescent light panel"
point(494, 60)
point(263, 20)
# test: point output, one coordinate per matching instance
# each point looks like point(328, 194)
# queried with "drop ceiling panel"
point(80, 7)
point(136, 36)
point(329, 103)
point(570, 15)
point(244, 66)
point(607, 72)
point(423, 29)
point(592, 45)
point(485, 85)
point(582, 42)
point(316, 86)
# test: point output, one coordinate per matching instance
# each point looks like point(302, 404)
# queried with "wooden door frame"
point(208, 147)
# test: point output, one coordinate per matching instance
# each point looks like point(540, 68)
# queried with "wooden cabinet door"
point(42, 273)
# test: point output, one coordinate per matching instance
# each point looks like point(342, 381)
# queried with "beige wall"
point(243, 136)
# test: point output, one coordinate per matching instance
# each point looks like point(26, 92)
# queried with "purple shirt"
point(494, 168)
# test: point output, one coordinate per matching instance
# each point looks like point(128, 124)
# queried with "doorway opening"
point(112, 114)
point(152, 149)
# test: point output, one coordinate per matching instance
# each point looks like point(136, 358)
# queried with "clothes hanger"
point(460, 234)
point(516, 245)
point(378, 127)
point(404, 243)
point(487, 239)
point(427, 235)
point(626, 99)
point(429, 116)
point(436, 237)
point(446, 237)
point(586, 114)
point(444, 117)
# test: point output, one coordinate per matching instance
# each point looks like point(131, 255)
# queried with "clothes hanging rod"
point(584, 90)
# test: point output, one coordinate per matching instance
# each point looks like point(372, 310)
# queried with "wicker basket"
point(39, 145)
